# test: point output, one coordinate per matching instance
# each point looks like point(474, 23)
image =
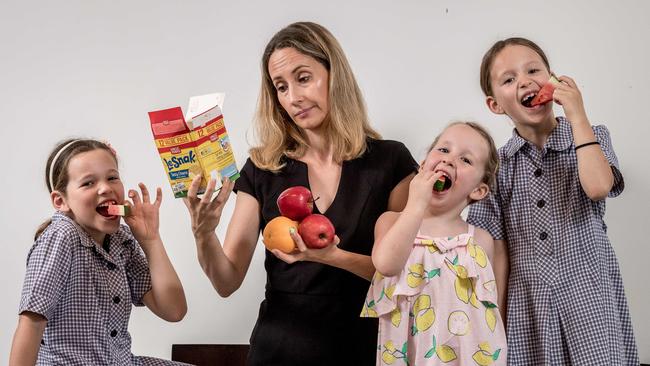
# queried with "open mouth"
point(102, 209)
point(527, 99)
point(442, 184)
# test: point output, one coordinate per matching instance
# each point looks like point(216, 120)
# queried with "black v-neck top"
point(310, 307)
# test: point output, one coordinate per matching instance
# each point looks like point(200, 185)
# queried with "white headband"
point(56, 157)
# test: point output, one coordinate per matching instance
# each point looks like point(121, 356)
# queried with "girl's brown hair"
point(491, 54)
point(64, 152)
point(492, 163)
point(348, 125)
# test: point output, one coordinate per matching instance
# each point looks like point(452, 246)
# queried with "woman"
point(313, 131)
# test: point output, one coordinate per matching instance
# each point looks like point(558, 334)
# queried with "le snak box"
point(193, 145)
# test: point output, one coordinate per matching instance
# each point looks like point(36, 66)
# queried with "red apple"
point(316, 231)
point(295, 203)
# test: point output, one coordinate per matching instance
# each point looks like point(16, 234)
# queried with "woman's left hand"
point(568, 95)
point(303, 253)
point(143, 220)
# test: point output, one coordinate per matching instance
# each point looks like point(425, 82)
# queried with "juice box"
point(196, 145)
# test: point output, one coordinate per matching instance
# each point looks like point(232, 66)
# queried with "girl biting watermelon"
point(565, 298)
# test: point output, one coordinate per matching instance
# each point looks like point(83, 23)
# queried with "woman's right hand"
point(206, 211)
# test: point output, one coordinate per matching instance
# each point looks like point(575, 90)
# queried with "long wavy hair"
point(347, 124)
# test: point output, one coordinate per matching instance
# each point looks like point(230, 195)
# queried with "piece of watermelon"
point(439, 185)
point(545, 94)
point(119, 210)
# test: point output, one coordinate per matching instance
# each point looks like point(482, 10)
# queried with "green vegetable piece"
point(439, 184)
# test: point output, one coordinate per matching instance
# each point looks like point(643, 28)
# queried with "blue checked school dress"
point(86, 292)
point(566, 302)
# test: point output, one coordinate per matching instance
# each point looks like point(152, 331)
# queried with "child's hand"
point(568, 95)
point(143, 221)
point(421, 189)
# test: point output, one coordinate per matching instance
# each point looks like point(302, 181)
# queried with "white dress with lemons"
point(441, 309)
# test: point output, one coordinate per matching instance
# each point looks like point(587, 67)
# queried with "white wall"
point(95, 68)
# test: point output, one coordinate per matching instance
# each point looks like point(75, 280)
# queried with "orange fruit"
point(276, 234)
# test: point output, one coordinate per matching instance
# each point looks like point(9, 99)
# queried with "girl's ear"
point(59, 202)
point(479, 192)
point(493, 105)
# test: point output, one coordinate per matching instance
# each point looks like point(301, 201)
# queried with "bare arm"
point(166, 297)
point(501, 265)
point(594, 171)
point(27, 339)
point(359, 264)
point(394, 233)
point(226, 265)
point(400, 194)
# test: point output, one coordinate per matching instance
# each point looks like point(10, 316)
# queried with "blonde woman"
point(313, 131)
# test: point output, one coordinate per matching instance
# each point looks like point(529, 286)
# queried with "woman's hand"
point(569, 97)
point(302, 253)
point(206, 211)
point(143, 220)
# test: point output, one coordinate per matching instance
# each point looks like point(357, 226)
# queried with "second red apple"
point(316, 231)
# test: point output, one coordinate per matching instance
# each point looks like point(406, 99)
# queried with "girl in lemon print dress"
point(434, 291)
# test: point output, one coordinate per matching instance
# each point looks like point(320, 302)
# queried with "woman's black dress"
point(310, 315)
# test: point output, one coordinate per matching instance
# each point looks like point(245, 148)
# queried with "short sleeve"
point(486, 214)
point(48, 268)
point(246, 178)
point(137, 273)
point(404, 164)
point(602, 136)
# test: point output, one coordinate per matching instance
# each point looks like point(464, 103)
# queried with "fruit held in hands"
point(119, 210)
point(545, 94)
point(316, 231)
point(295, 203)
point(276, 234)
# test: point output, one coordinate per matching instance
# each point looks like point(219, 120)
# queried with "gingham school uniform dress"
point(86, 294)
point(566, 302)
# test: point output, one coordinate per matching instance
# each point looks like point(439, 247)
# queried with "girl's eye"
point(508, 81)
point(466, 160)
point(114, 178)
point(87, 184)
point(443, 150)
point(533, 71)
point(280, 88)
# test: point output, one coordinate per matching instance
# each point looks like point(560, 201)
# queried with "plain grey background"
point(95, 68)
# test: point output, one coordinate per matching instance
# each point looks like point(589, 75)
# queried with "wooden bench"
point(211, 354)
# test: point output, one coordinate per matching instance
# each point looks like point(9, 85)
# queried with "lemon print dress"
point(441, 309)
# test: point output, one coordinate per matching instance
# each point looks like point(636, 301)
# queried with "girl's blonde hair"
point(492, 163)
point(56, 171)
point(491, 54)
point(347, 123)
